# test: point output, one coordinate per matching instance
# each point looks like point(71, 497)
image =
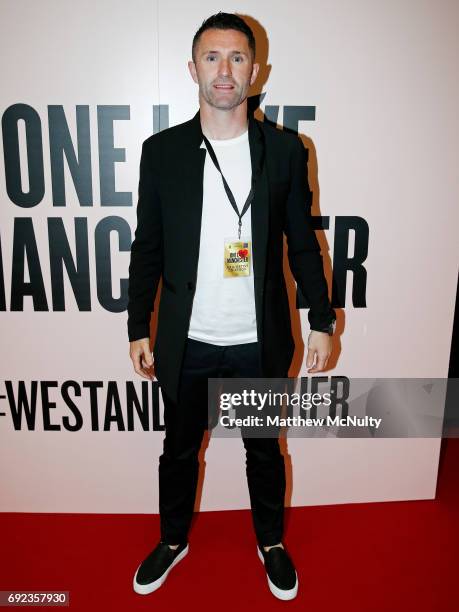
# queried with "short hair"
point(225, 21)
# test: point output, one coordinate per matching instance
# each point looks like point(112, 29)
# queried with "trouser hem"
point(269, 540)
point(172, 540)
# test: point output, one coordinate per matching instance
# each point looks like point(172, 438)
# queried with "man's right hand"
point(142, 357)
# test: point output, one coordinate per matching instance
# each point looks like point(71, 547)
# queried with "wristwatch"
point(330, 329)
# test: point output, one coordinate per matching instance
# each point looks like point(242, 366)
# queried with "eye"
point(210, 57)
point(238, 58)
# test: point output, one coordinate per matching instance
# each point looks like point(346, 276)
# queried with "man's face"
point(223, 68)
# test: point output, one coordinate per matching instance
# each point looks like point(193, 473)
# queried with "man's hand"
point(142, 358)
point(319, 347)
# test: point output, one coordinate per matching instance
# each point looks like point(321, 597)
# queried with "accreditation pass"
point(236, 257)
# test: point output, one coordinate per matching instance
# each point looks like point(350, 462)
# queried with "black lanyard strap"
point(229, 193)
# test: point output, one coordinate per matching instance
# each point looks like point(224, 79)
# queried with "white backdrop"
point(383, 80)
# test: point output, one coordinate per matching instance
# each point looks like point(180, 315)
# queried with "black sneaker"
point(280, 571)
point(153, 570)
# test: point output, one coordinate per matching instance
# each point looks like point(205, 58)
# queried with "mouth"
point(224, 87)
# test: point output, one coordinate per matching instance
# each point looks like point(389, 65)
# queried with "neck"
point(217, 124)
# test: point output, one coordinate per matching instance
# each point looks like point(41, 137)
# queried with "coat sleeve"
point(146, 260)
point(304, 254)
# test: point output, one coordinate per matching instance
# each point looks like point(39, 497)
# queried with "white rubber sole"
point(145, 589)
point(283, 594)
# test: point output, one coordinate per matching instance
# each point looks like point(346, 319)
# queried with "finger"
point(310, 357)
point(136, 360)
point(147, 357)
point(135, 357)
point(140, 371)
point(143, 375)
point(146, 365)
point(147, 372)
point(320, 365)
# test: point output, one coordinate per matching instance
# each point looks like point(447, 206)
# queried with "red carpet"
point(359, 557)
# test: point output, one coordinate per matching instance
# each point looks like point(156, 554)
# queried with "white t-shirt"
point(224, 307)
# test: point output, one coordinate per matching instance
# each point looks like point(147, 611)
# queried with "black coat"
point(167, 241)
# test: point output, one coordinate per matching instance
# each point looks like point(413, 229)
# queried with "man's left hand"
point(319, 348)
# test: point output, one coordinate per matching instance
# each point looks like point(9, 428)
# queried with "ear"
point(253, 77)
point(192, 69)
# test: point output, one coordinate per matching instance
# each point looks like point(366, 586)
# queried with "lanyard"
point(229, 193)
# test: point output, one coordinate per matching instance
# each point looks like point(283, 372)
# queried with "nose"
point(225, 67)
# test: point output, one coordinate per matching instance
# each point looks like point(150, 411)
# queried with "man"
point(216, 194)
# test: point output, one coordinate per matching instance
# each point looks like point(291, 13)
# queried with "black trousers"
point(185, 424)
